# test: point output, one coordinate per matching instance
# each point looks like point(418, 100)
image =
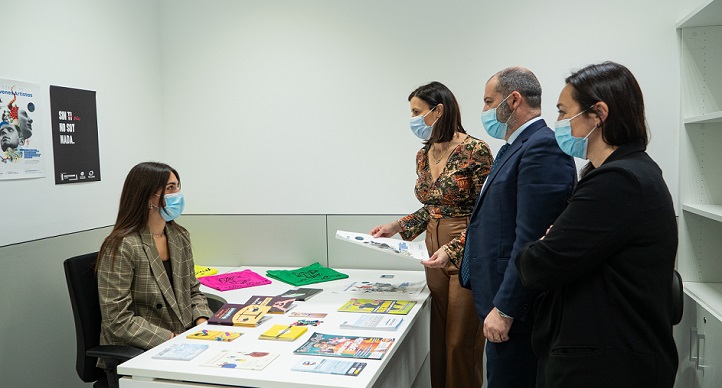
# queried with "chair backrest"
point(677, 297)
point(83, 288)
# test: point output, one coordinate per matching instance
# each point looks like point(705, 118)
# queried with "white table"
point(398, 368)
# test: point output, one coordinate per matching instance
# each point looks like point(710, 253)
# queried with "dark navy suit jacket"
point(523, 195)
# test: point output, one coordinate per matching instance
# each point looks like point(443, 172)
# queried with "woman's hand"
point(200, 320)
point(438, 260)
point(387, 230)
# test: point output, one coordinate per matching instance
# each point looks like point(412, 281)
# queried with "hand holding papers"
point(410, 249)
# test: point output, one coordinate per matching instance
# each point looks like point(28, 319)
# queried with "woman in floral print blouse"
point(451, 168)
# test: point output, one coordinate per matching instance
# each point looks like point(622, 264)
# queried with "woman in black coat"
point(605, 266)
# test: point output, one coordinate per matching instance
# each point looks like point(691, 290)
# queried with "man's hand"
point(496, 327)
point(438, 260)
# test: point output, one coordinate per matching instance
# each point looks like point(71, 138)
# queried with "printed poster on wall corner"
point(21, 133)
point(74, 121)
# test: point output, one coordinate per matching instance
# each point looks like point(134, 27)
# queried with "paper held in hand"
point(410, 249)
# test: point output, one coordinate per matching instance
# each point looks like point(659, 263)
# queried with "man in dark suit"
point(527, 188)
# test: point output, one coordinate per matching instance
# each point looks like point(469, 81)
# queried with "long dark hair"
point(143, 181)
point(436, 93)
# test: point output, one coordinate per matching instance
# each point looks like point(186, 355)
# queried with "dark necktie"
point(499, 154)
point(464, 271)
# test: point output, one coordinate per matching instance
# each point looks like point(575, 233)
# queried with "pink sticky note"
point(234, 280)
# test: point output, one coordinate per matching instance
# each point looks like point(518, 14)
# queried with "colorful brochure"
point(378, 306)
point(333, 345)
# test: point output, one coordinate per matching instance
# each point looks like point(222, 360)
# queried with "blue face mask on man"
point(419, 127)
point(492, 125)
point(174, 205)
point(573, 146)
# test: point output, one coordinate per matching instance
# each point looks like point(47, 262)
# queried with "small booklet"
point(181, 352)
point(373, 322)
point(241, 360)
point(301, 294)
point(278, 304)
point(333, 345)
point(409, 249)
point(204, 271)
point(215, 335)
point(231, 314)
point(378, 306)
point(283, 333)
point(329, 367)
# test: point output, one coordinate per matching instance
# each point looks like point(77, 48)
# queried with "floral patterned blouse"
point(453, 194)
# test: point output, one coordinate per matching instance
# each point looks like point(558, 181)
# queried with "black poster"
point(75, 135)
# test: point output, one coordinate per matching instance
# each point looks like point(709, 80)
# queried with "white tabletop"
point(278, 374)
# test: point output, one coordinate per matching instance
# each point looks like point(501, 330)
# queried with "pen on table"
point(284, 331)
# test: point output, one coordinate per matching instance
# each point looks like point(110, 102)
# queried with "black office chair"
point(215, 302)
point(677, 298)
point(83, 288)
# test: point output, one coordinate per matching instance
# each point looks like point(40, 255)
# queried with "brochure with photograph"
point(415, 250)
point(333, 345)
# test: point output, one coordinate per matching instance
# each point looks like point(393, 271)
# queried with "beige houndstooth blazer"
point(139, 307)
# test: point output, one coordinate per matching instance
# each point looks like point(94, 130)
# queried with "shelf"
point(707, 295)
point(713, 212)
point(709, 14)
point(714, 117)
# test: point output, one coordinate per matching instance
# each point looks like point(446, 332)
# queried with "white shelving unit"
point(699, 258)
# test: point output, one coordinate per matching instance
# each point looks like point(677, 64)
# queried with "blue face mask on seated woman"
point(174, 205)
point(573, 146)
point(419, 127)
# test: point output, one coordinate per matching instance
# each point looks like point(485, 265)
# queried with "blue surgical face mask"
point(174, 205)
point(573, 146)
point(492, 125)
point(419, 127)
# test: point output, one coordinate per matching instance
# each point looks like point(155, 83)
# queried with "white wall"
point(293, 107)
point(103, 45)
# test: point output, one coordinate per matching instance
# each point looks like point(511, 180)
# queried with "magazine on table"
point(334, 345)
point(377, 306)
point(372, 322)
point(371, 287)
point(234, 359)
point(415, 250)
point(329, 367)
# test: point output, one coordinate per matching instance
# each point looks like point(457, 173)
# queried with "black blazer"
point(605, 318)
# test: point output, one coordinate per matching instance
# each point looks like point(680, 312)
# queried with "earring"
point(151, 206)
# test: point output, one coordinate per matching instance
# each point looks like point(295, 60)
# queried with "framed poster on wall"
point(75, 135)
point(21, 133)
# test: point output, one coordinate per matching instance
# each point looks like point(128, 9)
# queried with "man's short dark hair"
point(521, 80)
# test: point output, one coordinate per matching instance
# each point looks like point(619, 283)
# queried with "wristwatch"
point(504, 315)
